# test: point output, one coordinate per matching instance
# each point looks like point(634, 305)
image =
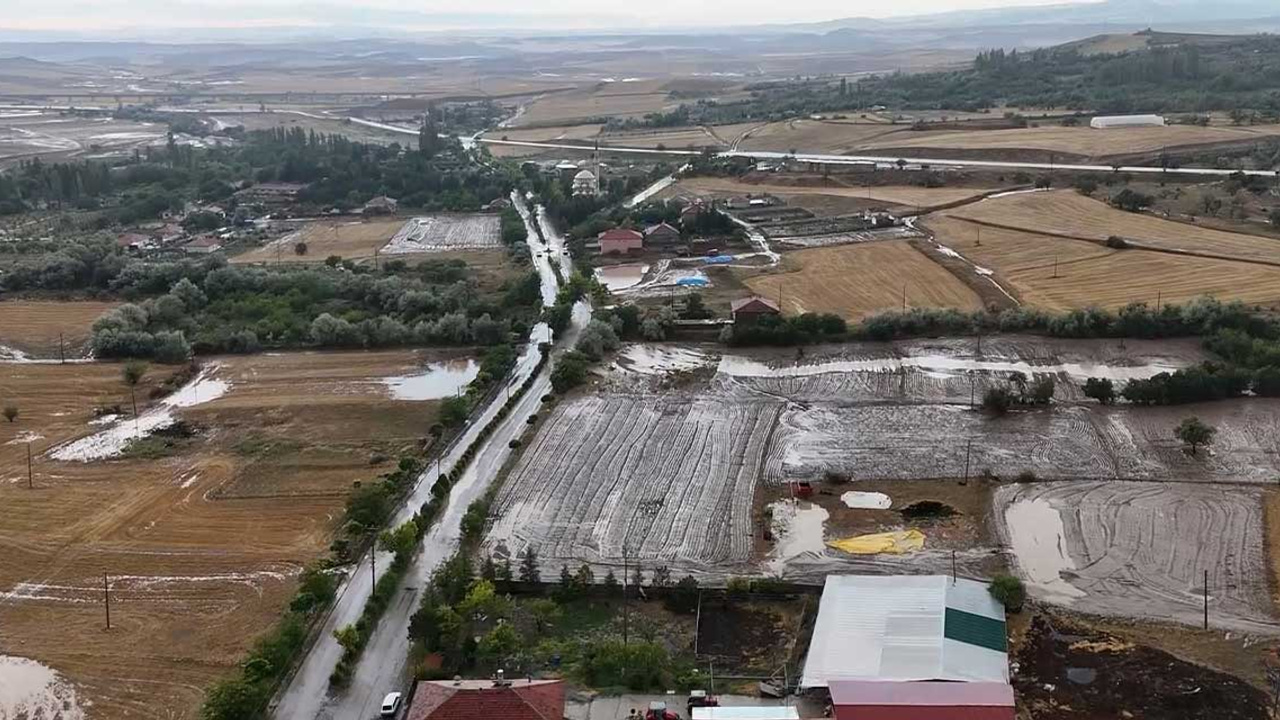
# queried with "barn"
point(1102, 122)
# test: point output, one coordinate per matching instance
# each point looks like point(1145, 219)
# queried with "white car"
point(390, 704)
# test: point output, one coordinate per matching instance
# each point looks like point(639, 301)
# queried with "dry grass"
point(211, 569)
point(906, 195)
point(606, 99)
point(1083, 141)
point(855, 281)
point(1092, 275)
point(348, 240)
point(1069, 213)
point(34, 326)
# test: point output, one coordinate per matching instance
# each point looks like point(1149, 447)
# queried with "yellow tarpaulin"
point(894, 543)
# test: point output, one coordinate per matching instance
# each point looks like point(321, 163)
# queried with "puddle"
point(31, 690)
point(437, 380)
point(621, 277)
point(659, 359)
point(940, 366)
point(868, 500)
point(115, 438)
point(1038, 540)
point(797, 532)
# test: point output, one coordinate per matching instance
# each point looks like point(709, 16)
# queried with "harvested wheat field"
point(349, 240)
point(201, 538)
point(1067, 212)
point(552, 133)
point(854, 281)
point(619, 99)
point(815, 136)
point(905, 195)
point(1091, 275)
point(1081, 141)
point(33, 327)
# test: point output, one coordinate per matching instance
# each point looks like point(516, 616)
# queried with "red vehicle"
point(658, 711)
point(700, 698)
point(801, 488)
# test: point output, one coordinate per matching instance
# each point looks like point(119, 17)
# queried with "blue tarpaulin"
point(718, 260)
point(692, 282)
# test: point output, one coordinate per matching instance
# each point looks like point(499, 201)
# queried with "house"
point(586, 183)
point(497, 205)
point(487, 700)
point(203, 245)
point(271, 193)
point(566, 170)
point(1103, 122)
point(661, 235)
point(133, 242)
point(748, 311)
point(620, 241)
point(690, 213)
point(907, 629)
point(929, 700)
point(381, 205)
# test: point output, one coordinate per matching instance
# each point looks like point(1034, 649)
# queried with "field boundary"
point(1002, 296)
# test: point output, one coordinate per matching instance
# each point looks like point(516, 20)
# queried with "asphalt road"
point(383, 666)
point(889, 160)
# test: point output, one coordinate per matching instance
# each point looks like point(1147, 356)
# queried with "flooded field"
point(435, 381)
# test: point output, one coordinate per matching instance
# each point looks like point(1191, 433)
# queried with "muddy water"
point(659, 359)
point(867, 500)
point(943, 365)
point(1038, 539)
point(621, 277)
point(437, 380)
point(31, 690)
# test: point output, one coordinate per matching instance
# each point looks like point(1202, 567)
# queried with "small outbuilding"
point(381, 205)
point(1103, 122)
point(661, 235)
point(204, 245)
point(748, 311)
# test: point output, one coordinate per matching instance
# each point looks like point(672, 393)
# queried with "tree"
point(610, 581)
point(1131, 200)
point(11, 412)
point(529, 566)
point(300, 249)
point(545, 612)
point(997, 400)
point(683, 597)
point(400, 540)
point(454, 411)
point(1274, 217)
point(1100, 389)
point(132, 375)
point(348, 637)
point(502, 573)
point(1195, 433)
point(661, 576)
point(498, 644)
point(567, 590)
point(1009, 590)
point(570, 371)
point(1042, 390)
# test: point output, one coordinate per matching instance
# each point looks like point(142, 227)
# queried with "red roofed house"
point(928, 700)
point(487, 700)
point(620, 241)
point(748, 311)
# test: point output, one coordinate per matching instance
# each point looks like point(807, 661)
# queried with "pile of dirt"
point(1066, 671)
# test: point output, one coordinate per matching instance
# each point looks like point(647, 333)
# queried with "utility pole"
point(954, 571)
point(972, 388)
point(373, 561)
point(1055, 266)
point(62, 353)
point(904, 297)
point(30, 474)
point(106, 596)
point(625, 602)
point(968, 449)
point(1206, 599)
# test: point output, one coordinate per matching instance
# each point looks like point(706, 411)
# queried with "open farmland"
point(816, 136)
point(902, 195)
point(861, 279)
point(1066, 212)
point(1142, 549)
point(202, 541)
point(27, 133)
point(1092, 275)
point(349, 240)
point(666, 480)
point(434, 233)
point(615, 99)
point(34, 327)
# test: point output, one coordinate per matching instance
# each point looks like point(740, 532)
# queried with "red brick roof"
point(521, 700)
point(755, 305)
point(620, 234)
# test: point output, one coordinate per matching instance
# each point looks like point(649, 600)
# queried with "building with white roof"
point(1103, 122)
point(906, 628)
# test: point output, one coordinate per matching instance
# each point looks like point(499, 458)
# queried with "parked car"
point(391, 704)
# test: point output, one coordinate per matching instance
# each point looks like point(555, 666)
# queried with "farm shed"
point(906, 628)
point(748, 712)
point(620, 241)
point(748, 311)
point(487, 700)
point(661, 235)
point(869, 700)
point(1103, 122)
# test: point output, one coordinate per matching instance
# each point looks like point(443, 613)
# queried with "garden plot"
point(1142, 549)
point(435, 233)
point(663, 479)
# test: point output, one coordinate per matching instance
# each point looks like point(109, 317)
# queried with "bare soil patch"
point(35, 326)
point(349, 240)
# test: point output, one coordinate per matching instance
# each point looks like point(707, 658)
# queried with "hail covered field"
point(684, 456)
point(445, 232)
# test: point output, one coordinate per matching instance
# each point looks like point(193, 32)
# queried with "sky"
point(97, 16)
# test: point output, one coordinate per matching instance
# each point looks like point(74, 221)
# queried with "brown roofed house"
point(748, 311)
point(487, 700)
point(620, 241)
point(661, 235)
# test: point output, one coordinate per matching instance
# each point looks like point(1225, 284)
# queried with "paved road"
point(383, 666)
point(889, 160)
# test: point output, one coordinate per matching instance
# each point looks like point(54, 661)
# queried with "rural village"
point(519, 388)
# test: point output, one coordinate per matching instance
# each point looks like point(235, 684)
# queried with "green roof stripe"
point(974, 629)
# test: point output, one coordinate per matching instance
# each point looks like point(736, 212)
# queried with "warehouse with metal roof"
point(906, 628)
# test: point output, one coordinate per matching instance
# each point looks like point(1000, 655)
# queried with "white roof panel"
point(764, 712)
point(890, 627)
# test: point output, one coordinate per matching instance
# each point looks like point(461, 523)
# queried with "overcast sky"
point(108, 15)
